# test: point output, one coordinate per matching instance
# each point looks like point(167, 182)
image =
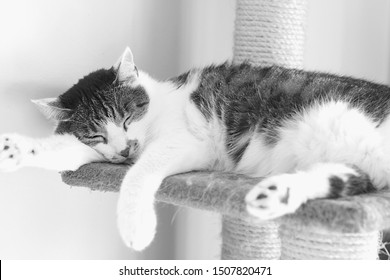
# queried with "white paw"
point(11, 153)
point(137, 227)
point(276, 196)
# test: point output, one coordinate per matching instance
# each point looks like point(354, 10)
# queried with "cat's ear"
point(125, 69)
point(52, 109)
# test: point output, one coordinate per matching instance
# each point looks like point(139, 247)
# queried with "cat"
point(312, 135)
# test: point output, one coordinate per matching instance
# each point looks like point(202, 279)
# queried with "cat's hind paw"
point(136, 227)
point(275, 196)
point(10, 153)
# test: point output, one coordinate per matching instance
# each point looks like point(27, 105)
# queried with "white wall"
point(349, 37)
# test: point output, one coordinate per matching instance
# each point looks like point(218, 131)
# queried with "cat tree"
point(267, 32)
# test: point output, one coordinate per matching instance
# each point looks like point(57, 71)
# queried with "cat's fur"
point(313, 135)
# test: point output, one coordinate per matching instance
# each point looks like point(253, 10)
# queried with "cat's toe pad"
point(274, 197)
point(10, 154)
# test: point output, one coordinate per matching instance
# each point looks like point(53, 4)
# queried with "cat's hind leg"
point(282, 194)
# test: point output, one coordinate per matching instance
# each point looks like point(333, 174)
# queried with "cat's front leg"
point(282, 194)
point(136, 215)
point(137, 219)
point(57, 152)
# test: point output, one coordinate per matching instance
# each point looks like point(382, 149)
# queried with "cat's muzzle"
point(129, 154)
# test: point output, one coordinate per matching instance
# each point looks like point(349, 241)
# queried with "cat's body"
point(312, 135)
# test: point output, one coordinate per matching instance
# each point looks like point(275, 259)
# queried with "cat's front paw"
point(137, 227)
point(275, 196)
point(11, 155)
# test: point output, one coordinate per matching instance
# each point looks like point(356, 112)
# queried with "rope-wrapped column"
point(270, 32)
point(273, 32)
point(311, 243)
point(266, 32)
point(249, 240)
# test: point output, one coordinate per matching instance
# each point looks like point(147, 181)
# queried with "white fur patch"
point(328, 132)
point(117, 141)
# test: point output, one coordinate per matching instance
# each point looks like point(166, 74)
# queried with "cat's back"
point(274, 93)
point(247, 101)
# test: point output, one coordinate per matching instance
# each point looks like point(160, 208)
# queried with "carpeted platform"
point(224, 193)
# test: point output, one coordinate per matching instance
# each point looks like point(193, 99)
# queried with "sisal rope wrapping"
point(311, 244)
point(266, 32)
point(242, 240)
point(270, 32)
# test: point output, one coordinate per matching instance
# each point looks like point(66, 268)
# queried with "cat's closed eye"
point(96, 137)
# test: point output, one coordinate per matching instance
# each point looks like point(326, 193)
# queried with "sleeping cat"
point(313, 135)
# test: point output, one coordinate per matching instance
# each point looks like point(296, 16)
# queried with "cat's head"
point(102, 110)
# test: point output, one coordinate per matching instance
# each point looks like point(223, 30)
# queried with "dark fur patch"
point(181, 80)
point(250, 99)
point(237, 154)
point(337, 186)
point(353, 185)
point(87, 87)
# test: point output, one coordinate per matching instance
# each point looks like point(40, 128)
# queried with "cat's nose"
point(125, 152)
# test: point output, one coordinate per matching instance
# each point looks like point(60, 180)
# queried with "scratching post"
point(271, 32)
point(267, 32)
